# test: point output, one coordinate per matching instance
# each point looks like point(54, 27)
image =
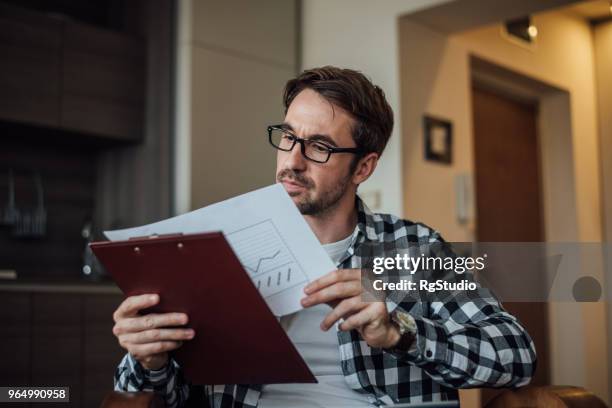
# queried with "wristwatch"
point(407, 330)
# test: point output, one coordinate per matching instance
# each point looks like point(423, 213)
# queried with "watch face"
point(407, 329)
point(405, 322)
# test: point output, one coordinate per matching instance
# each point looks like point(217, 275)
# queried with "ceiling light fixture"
point(521, 29)
point(532, 31)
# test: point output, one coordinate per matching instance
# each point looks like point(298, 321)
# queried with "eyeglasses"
point(314, 150)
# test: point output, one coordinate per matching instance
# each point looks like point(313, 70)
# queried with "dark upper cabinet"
point(72, 76)
point(30, 57)
point(103, 82)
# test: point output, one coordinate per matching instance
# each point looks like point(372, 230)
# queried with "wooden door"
point(508, 195)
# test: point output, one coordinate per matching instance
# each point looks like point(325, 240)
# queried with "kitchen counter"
point(59, 286)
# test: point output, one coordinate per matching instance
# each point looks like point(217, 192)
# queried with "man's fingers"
point(132, 305)
point(358, 320)
point(156, 335)
point(343, 310)
point(148, 322)
point(339, 290)
point(139, 351)
point(332, 277)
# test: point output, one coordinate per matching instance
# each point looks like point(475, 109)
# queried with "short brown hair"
point(356, 94)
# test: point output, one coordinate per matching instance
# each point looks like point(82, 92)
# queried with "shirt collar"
point(366, 224)
point(365, 229)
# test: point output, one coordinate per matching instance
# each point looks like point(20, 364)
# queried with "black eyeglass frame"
point(296, 139)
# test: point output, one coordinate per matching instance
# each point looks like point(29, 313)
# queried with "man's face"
point(316, 187)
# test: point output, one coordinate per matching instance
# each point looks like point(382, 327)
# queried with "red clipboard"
point(238, 340)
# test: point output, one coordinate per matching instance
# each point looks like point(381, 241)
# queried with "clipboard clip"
point(153, 236)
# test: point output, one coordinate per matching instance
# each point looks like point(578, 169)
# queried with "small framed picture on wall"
point(438, 135)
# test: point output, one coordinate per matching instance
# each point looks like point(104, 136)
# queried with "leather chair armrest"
point(118, 399)
point(552, 396)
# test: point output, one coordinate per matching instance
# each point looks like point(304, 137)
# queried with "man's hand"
point(148, 338)
point(342, 290)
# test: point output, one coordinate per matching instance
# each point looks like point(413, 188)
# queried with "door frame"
point(558, 196)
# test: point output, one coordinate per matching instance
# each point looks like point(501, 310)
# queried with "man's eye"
point(319, 147)
point(288, 137)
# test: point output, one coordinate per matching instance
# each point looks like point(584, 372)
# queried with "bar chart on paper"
point(266, 258)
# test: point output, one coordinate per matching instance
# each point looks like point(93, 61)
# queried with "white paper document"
point(270, 237)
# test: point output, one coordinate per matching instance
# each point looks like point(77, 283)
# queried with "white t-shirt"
point(320, 351)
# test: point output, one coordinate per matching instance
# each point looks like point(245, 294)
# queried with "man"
point(336, 126)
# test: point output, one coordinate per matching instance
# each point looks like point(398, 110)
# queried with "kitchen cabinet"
point(56, 343)
point(62, 74)
point(100, 349)
point(59, 339)
point(15, 339)
point(102, 82)
point(30, 70)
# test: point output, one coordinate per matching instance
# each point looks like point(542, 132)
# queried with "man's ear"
point(365, 167)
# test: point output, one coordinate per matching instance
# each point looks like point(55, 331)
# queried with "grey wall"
point(234, 67)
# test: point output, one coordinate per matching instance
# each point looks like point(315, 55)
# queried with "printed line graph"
point(266, 258)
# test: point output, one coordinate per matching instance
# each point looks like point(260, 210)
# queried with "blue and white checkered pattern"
point(466, 340)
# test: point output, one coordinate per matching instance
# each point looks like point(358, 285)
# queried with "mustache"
point(290, 175)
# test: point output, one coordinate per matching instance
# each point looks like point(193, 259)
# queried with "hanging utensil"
point(39, 217)
point(32, 222)
point(10, 215)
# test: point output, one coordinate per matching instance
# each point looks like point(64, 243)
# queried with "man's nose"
point(295, 159)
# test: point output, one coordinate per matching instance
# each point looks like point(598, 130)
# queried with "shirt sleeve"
point(468, 340)
point(167, 382)
point(230, 395)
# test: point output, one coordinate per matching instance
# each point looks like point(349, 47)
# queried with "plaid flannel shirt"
point(463, 341)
